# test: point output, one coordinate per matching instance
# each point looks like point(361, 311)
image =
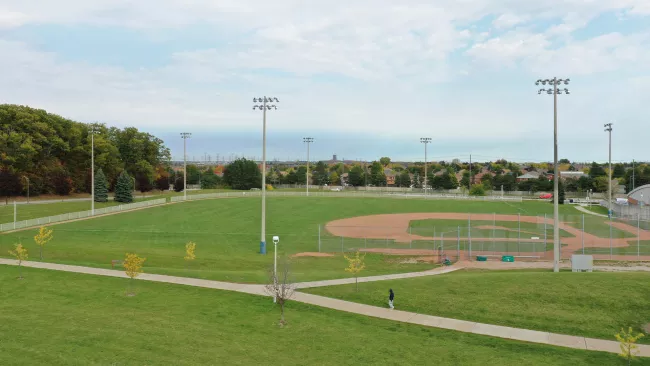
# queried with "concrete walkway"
point(582, 209)
point(518, 334)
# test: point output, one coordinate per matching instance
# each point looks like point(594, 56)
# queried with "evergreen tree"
point(101, 187)
point(561, 192)
point(124, 188)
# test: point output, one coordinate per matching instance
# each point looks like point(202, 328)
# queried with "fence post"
point(583, 234)
point(458, 244)
point(434, 238)
point(610, 237)
point(638, 235)
point(341, 244)
point(545, 243)
point(318, 238)
point(518, 233)
point(494, 225)
point(469, 233)
point(15, 215)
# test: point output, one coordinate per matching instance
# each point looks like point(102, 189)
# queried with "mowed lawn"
point(226, 232)
point(585, 304)
point(59, 318)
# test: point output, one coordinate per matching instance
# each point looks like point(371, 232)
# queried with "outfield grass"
point(59, 318)
point(584, 304)
point(227, 235)
point(642, 247)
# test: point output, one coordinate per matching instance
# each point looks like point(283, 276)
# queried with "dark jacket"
point(391, 296)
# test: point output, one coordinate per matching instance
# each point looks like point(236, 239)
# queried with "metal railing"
point(78, 215)
point(347, 194)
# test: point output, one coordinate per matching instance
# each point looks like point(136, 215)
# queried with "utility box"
point(481, 258)
point(582, 263)
point(507, 258)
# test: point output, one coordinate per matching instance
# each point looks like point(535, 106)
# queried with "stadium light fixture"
point(555, 90)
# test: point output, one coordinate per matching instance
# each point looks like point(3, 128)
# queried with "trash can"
point(507, 258)
point(481, 258)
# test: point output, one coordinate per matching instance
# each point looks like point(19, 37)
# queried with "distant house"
point(528, 176)
point(571, 175)
point(390, 176)
point(344, 179)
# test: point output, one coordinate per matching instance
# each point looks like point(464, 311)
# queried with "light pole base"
point(262, 247)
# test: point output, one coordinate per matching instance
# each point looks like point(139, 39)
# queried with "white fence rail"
point(77, 215)
point(344, 194)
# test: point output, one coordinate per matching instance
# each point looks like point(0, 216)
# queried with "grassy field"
point(426, 227)
point(586, 304)
point(642, 247)
point(227, 235)
point(59, 318)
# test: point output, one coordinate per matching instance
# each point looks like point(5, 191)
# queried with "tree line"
point(51, 154)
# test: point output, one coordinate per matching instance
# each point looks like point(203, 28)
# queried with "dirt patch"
point(312, 254)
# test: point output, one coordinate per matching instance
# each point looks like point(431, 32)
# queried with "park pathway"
point(518, 334)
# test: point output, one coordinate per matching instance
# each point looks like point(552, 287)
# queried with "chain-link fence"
point(470, 235)
point(77, 215)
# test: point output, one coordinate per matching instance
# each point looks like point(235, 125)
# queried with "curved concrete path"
point(524, 335)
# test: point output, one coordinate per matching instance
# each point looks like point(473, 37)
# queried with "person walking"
point(391, 297)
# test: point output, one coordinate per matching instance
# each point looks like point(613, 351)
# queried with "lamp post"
point(93, 130)
point(308, 140)
point(185, 136)
point(266, 105)
point(26, 177)
point(608, 128)
point(425, 141)
point(276, 240)
point(555, 82)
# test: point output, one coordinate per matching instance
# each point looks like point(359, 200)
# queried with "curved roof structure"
point(640, 195)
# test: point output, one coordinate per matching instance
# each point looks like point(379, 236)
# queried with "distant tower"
point(334, 158)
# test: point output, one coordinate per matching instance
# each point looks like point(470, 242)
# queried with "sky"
point(364, 78)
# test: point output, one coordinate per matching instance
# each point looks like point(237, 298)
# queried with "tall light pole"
point(555, 82)
point(425, 141)
point(608, 128)
point(185, 136)
point(93, 130)
point(633, 171)
point(308, 140)
point(266, 105)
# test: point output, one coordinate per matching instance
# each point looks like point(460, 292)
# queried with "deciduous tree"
point(9, 183)
point(243, 174)
point(43, 237)
point(627, 340)
point(356, 264)
point(132, 268)
point(190, 248)
point(20, 253)
point(281, 287)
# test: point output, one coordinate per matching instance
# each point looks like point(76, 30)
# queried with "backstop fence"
point(493, 235)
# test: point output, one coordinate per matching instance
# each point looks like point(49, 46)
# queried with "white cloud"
point(509, 20)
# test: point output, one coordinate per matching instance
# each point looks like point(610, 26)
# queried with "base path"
point(396, 227)
point(518, 334)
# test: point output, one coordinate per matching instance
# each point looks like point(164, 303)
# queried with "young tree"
point(20, 253)
point(43, 237)
point(124, 188)
point(356, 264)
point(628, 340)
point(335, 179)
point(9, 183)
point(179, 184)
point(281, 287)
point(133, 268)
point(101, 186)
point(190, 247)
